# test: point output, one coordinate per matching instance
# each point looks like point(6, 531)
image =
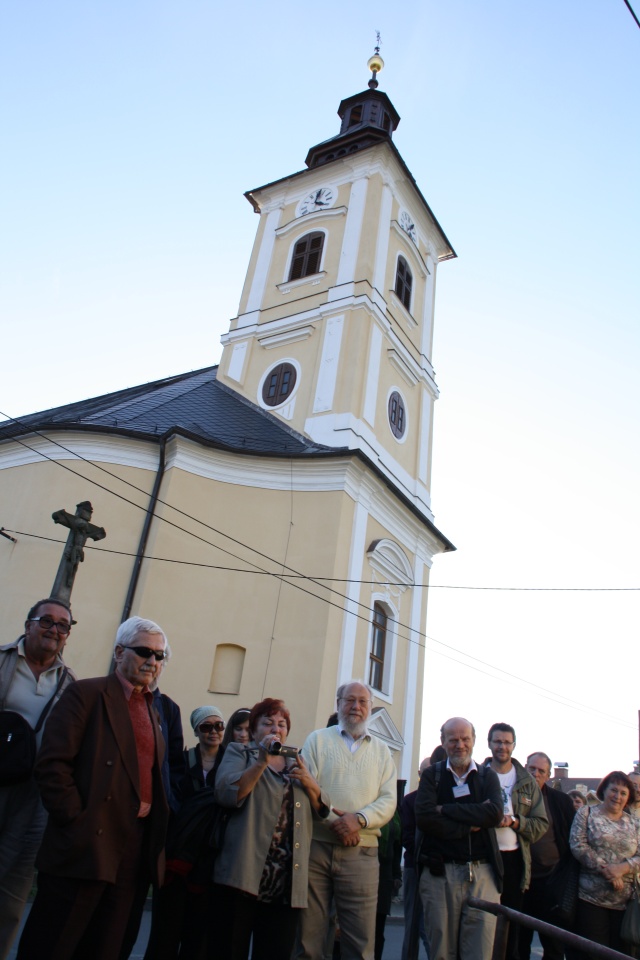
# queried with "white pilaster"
point(329, 363)
point(429, 303)
point(352, 232)
point(373, 376)
point(263, 262)
point(425, 438)
point(350, 620)
point(382, 243)
point(412, 709)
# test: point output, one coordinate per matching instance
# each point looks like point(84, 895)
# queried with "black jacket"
point(562, 813)
point(448, 835)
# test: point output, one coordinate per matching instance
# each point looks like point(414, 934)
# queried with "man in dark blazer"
point(99, 773)
point(546, 855)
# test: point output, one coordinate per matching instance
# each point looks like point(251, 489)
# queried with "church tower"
point(273, 512)
point(335, 326)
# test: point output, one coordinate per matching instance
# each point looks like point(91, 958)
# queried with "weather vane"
point(375, 63)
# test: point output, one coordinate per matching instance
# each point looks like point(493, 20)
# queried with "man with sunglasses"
point(99, 772)
point(32, 678)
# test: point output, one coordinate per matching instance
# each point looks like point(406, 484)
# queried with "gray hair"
point(539, 753)
point(343, 687)
point(129, 630)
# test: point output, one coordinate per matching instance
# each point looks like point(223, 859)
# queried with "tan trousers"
point(348, 876)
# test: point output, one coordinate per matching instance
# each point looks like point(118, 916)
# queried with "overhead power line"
point(631, 11)
point(291, 575)
point(507, 677)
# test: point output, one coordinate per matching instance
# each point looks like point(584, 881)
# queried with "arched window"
point(307, 254)
point(397, 415)
point(378, 647)
point(278, 384)
point(404, 282)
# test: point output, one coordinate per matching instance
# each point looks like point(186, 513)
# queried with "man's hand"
point(346, 828)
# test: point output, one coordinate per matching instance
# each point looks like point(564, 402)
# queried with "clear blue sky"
point(131, 131)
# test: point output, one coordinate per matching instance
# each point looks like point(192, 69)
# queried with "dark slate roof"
point(195, 405)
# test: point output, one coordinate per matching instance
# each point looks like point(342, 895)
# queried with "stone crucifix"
point(80, 530)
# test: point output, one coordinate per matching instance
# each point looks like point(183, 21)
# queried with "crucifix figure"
point(80, 530)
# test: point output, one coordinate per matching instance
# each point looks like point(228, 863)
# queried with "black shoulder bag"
point(18, 740)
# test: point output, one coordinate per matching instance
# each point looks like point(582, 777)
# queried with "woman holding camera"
point(261, 871)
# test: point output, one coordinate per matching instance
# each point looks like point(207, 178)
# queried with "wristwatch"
point(362, 820)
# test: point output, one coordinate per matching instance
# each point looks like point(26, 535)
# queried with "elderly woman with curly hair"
point(261, 872)
point(604, 839)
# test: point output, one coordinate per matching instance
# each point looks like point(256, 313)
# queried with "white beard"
point(354, 728)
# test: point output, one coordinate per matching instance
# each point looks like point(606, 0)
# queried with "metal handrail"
point(588, 947)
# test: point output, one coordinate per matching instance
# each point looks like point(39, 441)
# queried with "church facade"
point(272, 513)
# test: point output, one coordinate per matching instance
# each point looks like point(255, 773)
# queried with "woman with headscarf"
point(200, 761)
point(179, 928)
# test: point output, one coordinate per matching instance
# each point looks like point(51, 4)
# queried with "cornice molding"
point(289, 227)
point(292, 335)
point(72, 445)
point(314, 279)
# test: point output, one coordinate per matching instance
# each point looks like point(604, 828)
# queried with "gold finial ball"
point(375, 63)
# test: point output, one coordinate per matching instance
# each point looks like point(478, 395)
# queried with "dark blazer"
point(87, 771)
point(562, 813)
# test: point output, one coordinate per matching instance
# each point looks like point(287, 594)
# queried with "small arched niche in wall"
point(228, 664)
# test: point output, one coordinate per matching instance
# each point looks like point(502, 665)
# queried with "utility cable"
point(508, 677)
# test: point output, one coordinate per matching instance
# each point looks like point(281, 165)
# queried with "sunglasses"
point(146, 652)
point(218, 726)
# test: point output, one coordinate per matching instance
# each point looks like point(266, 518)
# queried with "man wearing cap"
point(32, 678)
point(99, 773)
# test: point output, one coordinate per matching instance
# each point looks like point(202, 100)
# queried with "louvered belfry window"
point(404, 282)
point(307, 254)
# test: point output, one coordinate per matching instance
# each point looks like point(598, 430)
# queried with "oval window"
point(397, 415)
point(278, 384)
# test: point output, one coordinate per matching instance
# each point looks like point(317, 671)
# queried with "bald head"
point(458, 738)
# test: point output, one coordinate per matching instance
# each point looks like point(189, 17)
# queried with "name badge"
point(461, 791)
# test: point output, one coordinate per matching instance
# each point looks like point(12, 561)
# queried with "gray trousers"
point(455, 931)
point(22, 823)
point(349, 876)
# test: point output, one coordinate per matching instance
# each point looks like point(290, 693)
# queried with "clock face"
point(320, 199)
point(408, 225)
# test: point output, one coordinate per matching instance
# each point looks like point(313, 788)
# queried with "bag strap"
point(49, 703)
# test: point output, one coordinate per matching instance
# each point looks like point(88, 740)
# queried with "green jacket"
point(529, 808)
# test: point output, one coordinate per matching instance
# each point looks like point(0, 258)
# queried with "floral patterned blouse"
point(595, 841)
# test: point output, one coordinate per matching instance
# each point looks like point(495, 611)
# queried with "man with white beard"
point(357, 772)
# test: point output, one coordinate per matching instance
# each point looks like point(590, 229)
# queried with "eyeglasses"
point(146, 652)
point(218, 726)
point(504, 743)
point(47, 623)
point(351, 700)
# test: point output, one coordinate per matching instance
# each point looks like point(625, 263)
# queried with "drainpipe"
point(144, 536)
